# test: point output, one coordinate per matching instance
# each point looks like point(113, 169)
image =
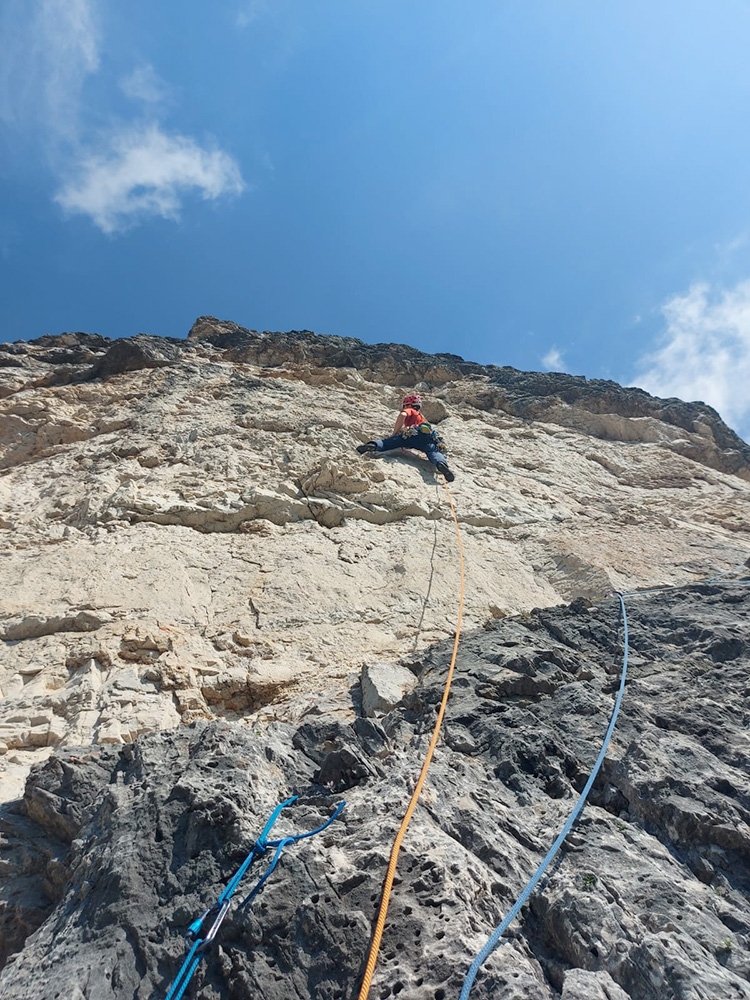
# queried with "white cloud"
point(553, 360)
point(50, 49)
point(145, 84)
point(143, 172)
point(47, 55)
point(705, 351)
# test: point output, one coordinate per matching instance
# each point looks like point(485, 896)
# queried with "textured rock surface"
point(195, 559)
point(186, 531)
point(649, 899)
point(383, 686)
point(582, 985)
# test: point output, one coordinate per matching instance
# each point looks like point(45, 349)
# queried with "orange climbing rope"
point(391, 873)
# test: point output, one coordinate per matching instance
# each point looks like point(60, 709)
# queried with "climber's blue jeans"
point(420, 442)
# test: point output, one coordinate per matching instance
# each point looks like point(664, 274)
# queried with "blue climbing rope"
point(532, 883)
point(195, 932)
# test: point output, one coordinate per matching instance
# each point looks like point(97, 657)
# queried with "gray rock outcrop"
point(119, 849)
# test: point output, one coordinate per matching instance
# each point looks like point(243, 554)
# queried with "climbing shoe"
point(363, 449)
point(442, 467)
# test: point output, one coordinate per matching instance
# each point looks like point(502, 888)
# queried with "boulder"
point(383, 686)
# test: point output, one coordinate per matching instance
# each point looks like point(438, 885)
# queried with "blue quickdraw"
point(494, 938)
point(201, 938)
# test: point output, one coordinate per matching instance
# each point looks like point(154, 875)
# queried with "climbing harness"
point(372, 957)
point(532, 883)
point(412, 430)
point(424, 428)
point(202, 938)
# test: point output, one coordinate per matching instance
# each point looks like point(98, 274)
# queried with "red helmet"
point(412, 400)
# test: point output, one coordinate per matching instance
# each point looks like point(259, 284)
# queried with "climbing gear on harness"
point(442, 467)
point(195, 932)
point(411, 430)
point(413, 399)
point(427, 429)
point(422, 426)
point(363, 449)
point(531, 885)
point(391, 872)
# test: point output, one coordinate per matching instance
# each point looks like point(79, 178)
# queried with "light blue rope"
point(219, 909)
point(280, 845)
point(259, 847)
point(523, 898)
point(185, 974)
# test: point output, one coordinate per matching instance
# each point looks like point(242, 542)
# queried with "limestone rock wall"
point(186, 533)
point(188, 536)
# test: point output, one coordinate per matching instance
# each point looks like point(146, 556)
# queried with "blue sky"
point(542, 184)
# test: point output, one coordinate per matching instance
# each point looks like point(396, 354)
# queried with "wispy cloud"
point(144, 84)
point(730, 247)
point(49, 49)
point(705, 351)
point(553, 360)
point(140, 169)
point(145, 172)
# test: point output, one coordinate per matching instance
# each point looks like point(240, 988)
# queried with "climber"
point(413, 431)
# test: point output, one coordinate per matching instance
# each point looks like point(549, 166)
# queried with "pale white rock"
point(383, 686)
point(580, 984)
point(109, 731)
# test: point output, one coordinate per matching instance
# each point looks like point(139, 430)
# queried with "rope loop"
point(202, 939)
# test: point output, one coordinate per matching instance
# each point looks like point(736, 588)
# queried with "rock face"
point(649, 898)
point(196, 567)
point(187, 532)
